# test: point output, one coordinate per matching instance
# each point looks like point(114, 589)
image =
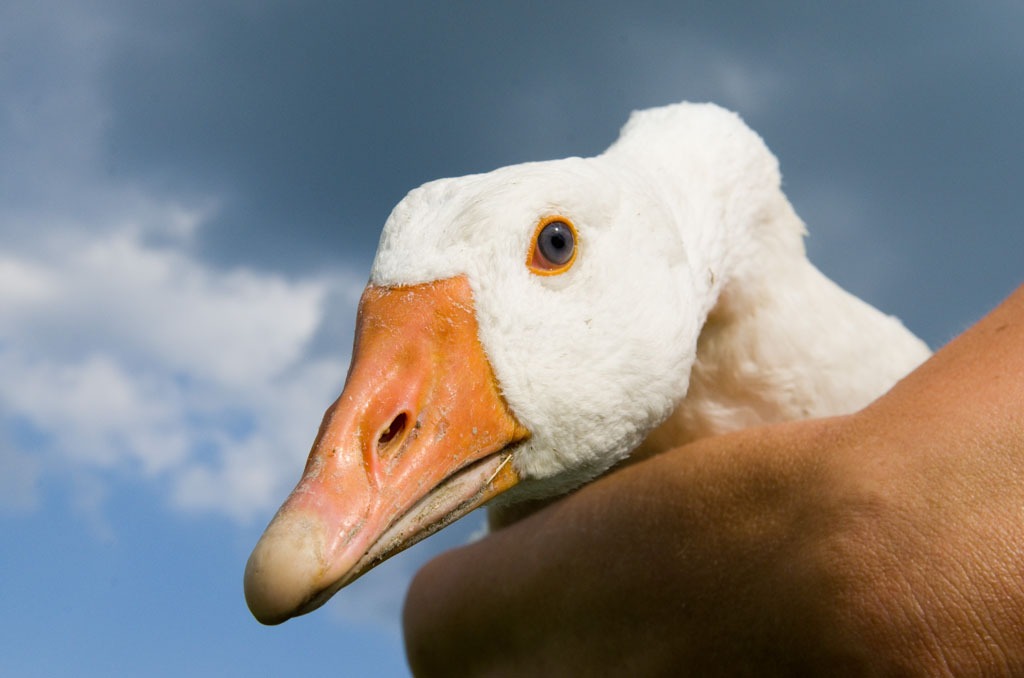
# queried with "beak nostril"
point(393, 431)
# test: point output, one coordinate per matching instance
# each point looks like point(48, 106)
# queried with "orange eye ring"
point(554, 246)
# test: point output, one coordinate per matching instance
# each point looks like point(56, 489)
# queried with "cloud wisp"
point(128, 357)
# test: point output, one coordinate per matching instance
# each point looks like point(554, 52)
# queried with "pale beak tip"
point(284, 571)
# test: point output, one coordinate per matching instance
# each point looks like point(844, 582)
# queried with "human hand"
point(889, 541)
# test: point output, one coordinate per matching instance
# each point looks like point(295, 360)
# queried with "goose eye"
point(554, 247)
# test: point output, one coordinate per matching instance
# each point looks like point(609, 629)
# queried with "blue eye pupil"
point(556, 243)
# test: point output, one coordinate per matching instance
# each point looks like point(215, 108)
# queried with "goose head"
point(522, 331)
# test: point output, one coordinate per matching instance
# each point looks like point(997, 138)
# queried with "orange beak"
point(419, 437)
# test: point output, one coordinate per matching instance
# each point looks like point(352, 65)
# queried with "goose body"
point(676, 302)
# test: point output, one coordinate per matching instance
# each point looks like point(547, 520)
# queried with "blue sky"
point(190, 197)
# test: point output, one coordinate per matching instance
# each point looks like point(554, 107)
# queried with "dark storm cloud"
point(310, 120)
point(315, 121)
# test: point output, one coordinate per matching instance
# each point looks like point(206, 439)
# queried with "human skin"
point(890, 541)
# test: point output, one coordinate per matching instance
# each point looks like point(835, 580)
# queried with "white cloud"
point(95, 411)
point(141, 360)
point(23, 284)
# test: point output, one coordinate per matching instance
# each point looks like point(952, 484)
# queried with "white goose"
point(526, 329)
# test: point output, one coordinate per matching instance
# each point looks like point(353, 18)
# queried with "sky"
point(191, 195)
